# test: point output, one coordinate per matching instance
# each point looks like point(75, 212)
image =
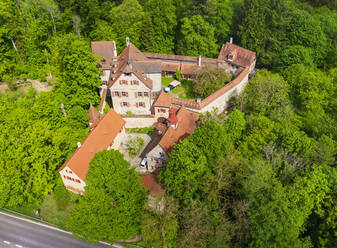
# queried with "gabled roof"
point(163, 100)
point(132, 60)
point(98, 140)
point(240, 56)
point(187, 122)
point(103, 49)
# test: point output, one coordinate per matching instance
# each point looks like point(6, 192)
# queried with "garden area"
point(183, 91)
point(206, 81)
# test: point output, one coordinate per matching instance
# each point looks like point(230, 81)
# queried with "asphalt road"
point(22, 233)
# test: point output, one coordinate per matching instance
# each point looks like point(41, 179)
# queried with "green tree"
point(128, 21)
point(197, 37)
point(160, 229)
point(113, 201)
point(208, 80)
point(164, 21)
point(264, 93)
point(184, 168)
point(76, 68)
point(295, 55)
point(262, 28)
point(278, 213)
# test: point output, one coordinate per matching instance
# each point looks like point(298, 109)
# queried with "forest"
point(263, 174)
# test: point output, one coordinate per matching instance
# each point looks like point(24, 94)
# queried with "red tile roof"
point(127, 63)
point(241, 56)
point(94, 115)
point(103, 49)
point(98, 140)
point(163, 100)
point(187, 122)
point(151, 184)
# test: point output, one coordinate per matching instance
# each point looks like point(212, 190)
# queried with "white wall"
point(221, 102)
point(72, 185)
point(161, 114)
point(106, 75)
point(118, 139)
point(156, 81)
point(132, 99)
point(133, 122)
point(156, 158)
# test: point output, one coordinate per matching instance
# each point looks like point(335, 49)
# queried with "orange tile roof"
point(151, 184)
point(98, 140)
point(163, 100)
point(241, 56)
point(187, 122)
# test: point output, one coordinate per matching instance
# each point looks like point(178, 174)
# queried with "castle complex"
point(131, 84)
point(133, 79)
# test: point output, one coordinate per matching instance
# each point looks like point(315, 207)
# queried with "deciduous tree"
point(113, 201)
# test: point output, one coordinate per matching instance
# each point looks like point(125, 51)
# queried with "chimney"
point(127, 41)
point(78, 144)
point(173, 120)
point(199, 61)
point(231, 40)
point(114, 49)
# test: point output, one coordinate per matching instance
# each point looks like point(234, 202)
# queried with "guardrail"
point(27, 216)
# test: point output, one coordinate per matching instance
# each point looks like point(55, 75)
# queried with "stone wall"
point(156, 158)
point(221, 102)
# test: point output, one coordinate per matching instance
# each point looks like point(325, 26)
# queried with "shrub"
point(134, 145)
point(61, 195)
point(145, 130)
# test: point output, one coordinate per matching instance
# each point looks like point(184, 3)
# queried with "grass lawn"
point(165, 81)
point(49, 212)
point(183, 91)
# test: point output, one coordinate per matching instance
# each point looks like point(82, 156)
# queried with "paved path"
point(22, 233)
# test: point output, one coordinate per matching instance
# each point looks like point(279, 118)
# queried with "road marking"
point(7, 242)
point(19, 246)
point(54, 228)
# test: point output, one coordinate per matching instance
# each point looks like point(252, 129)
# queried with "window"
point(125, 104)
point(117, 94)
point(162, 110)
point(64, 176)
point(123, 82)
point(146, 94)
point(140, 93)
point(135, 82)
point(125, 94)
point(141, 104)
point(78, 181)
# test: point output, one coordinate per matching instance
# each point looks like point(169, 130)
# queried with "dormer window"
point(230, 57)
